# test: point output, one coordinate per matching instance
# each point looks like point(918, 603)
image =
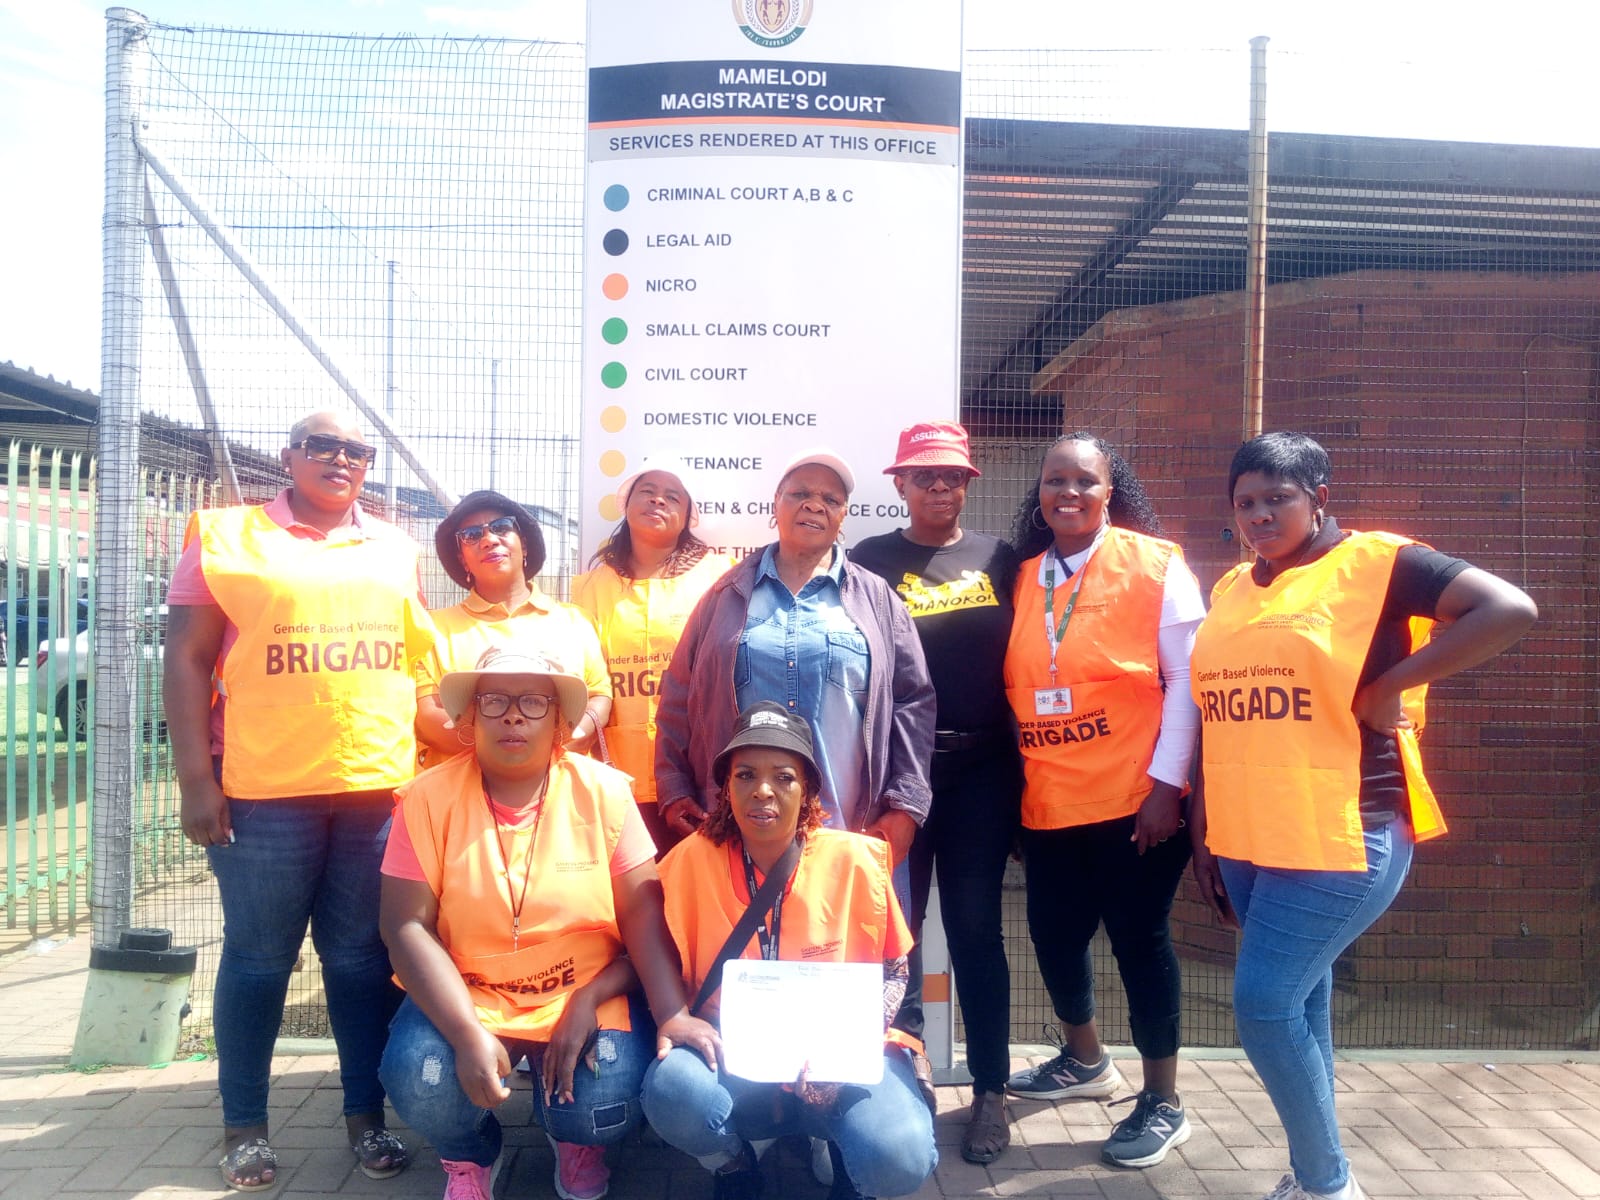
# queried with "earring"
point(471, 582)
point(465, 730)
point(1036, 518)
point(772, 521)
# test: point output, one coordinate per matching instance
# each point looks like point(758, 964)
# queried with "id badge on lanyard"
point(1055, 701)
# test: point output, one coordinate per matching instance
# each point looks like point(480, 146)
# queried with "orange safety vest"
point(840, 905)
point(568, 927)
point(1274, 672)
point(1091, 764)
point(640, 622)
point(320, 697)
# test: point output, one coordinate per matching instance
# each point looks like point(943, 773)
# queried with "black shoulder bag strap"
point(762, 903)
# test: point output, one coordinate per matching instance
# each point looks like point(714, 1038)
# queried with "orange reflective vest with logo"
point(840, 906)
point(567, 930)
point(639, 622)
point(320, 697)
point(1088, 761)
point(1275, 671)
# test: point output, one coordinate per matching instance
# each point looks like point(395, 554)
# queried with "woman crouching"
point(838, 906)
point(513, 880)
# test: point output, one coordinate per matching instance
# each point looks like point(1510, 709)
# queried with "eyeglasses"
point(532, 705)
point(324, 449)
point(926, 477)
point(501, 527)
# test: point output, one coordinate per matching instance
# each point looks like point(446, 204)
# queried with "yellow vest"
point(567, 929)
point(1092, 764)
point(320, 697)
point(639, 622)
point(1275, 671)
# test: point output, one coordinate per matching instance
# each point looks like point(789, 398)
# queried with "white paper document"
point(777, 1017)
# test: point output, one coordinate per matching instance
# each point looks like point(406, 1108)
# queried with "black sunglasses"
point(319, 447)
point(501, 527)
point(926, 477)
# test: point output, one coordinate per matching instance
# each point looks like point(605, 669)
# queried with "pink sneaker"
point(581, 1171)
point(467, 1181)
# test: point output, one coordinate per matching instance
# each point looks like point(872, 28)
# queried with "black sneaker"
point(741, 1180)
point(1143, 1137)
point(1064, 1077)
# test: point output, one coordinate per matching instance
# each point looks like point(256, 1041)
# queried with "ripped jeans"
point(419, 1072)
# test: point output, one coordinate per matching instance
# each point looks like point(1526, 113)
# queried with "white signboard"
point(772, 247)
point(770, 1030)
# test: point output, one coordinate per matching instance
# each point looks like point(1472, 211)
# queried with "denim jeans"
point(312, 859)
point(967, 839)
point(419, 1069)
point(883, 1131)
point(1295, 923)
point(1082, 875)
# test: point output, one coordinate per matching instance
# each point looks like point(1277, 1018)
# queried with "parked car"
point(25, 623)
point(72, 671)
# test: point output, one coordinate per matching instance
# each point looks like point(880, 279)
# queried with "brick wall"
point(1459, 409)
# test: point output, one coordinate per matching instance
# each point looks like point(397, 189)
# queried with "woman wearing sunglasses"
point(491, 546)
point(522, 910)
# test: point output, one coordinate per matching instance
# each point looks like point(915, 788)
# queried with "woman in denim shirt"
point(799, 625)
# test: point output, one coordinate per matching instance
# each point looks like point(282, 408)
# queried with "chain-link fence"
point(405, 217)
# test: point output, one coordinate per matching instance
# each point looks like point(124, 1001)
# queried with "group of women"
point(927, 690)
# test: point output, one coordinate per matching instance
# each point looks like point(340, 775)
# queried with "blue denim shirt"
point(804, 652)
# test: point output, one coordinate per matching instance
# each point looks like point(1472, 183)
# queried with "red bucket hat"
point(933, 444)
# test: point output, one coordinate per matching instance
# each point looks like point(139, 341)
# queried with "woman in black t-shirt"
point(957, 585)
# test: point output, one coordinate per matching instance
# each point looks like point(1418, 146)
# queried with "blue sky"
point(1404, 68)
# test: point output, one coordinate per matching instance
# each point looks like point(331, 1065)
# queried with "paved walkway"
point(1415, 1128)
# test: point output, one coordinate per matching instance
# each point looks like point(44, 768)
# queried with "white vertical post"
point(119, 508)
point(494, 424)
point(393, 513)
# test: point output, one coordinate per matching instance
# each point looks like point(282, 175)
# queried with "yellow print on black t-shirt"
point(973, 590)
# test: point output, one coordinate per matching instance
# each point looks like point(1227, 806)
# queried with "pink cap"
point(933, 444)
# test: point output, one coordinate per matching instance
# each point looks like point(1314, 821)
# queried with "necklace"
point(517, 901)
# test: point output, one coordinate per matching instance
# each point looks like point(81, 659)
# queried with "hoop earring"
point(1036, 518)
point(772, 521)
point(466, 729)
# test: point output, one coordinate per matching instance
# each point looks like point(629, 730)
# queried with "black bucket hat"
point(771, 727)
point(444, 537)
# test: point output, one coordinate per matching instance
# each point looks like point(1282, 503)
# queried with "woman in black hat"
point(491, 546)
point(838, 907)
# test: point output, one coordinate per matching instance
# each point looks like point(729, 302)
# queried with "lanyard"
point(1053, 633)
point(769, 941)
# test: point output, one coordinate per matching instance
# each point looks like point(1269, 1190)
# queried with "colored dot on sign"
point(614, 331)
point(612, 419)
point(610, 510)
point(616, 197)
point(615, 242)
point(613, 463)
point(613, 374)
point(614, 287)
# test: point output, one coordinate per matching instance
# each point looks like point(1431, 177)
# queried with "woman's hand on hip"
point(482, 1068)
point(1380, 709)
point(1160, 816)
point(682, 816)
point(897, 828)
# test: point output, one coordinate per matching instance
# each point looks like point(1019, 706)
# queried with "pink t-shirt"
point(634, 845)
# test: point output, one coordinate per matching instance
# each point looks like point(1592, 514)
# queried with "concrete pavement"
point(1415, 1127)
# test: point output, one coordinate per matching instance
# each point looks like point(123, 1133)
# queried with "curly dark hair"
point(1128, 508)
point(721, 827)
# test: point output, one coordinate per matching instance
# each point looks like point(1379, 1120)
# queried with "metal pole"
point(388, 386)
point(1255, 343)
point(120, 505)
point(220, 455)
point(494, 424)
point(308, 338)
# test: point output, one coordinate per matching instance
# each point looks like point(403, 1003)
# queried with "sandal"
point(252, 1152)
point(374, 1147)
point(988, 1132)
